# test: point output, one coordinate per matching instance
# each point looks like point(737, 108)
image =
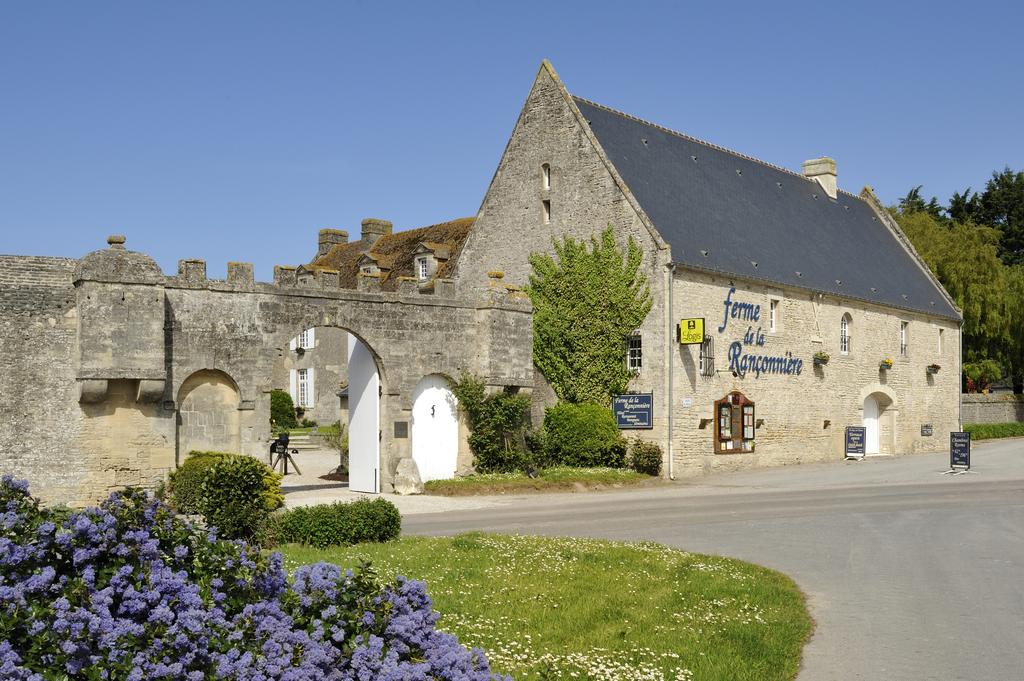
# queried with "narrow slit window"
point(546, 205)
point(903, 339)
point(706, 361)
point(940, 340)
point(545, 176)
point(773, 315)
point(635, 353)
point(844, 335)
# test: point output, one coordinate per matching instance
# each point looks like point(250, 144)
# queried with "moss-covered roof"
point(394, 253)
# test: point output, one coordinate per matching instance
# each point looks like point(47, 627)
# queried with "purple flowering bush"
point(131, 591)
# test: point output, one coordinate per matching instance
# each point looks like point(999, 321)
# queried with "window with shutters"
point(305, 388)
point(735, 424)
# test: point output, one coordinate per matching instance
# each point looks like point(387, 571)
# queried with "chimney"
point(373, 229)
point(824, 171)
point(328, 238)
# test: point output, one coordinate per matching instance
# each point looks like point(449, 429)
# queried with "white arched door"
point(871, 430)
point(435, 429)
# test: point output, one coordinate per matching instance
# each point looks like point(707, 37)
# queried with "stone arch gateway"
point(114, 328)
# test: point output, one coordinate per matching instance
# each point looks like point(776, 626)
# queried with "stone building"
point(112, 371)
point(781, 266)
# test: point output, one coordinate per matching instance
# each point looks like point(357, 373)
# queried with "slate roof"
point(394, 252)
point(724, 212)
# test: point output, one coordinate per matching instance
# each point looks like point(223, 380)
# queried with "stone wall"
point(110, 370)
point(992, 408)
point(802, 416)
point(40, 420)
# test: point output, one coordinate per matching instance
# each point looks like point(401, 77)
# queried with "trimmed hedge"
point(337, 524)
point(233, 496)
point(645, 457)
point(583, 436)
point(184, 488)
point(988, 431)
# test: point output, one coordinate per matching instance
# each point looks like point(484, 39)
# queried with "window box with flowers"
point(932, 368)
point(821, 358)
point(885, 364)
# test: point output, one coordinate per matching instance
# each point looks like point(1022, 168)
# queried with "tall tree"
point(1002, 206)
point(913, 202)
point(964, 207)
point(965, 260)
point(586, 304)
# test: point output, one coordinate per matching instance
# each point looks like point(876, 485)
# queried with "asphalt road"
point(909, 574)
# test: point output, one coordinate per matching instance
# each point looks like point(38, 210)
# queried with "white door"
point(363, 419)
point(435, 429)
point(870, 425)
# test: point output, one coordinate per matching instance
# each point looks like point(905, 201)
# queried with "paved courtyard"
point(910, 574)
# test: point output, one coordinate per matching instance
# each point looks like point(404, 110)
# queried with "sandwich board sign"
point(856, 436)
point(960, 451)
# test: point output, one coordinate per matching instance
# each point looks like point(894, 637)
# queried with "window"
point(545, 176)
point(421, 269)
point(940, 340)
point(773, 315)
point(844, 334)
point(305, 388)
point(734, 424)
point(903, 338)
point(635, 354)
point(706, 362)
point(304, 341)
point(367, 269)
point(546, 205)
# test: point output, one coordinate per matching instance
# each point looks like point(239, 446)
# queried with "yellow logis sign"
point(691, 331)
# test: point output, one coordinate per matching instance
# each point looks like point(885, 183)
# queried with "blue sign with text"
point(855, 439)
point(634, 411)
point(960, 450)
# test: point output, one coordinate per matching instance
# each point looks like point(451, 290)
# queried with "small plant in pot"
point(885, 364)
point(932, 368)
point(821, 358)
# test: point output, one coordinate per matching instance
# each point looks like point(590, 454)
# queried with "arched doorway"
point(879, 424)
point(435, 429)
point(208, 418)
point(363, 418)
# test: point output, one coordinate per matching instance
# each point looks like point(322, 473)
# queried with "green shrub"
point(338, 524)
point(184, 486)
point(282, 410)
point(583, 435)
point(988, 431)
point(497, 425)
point(645, 457)
point(309, 423)
point(234, 495)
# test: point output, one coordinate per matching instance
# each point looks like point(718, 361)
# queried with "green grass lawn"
point(548, 479)
point(553, 608)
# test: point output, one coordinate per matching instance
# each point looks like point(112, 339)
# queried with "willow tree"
point(587, 302)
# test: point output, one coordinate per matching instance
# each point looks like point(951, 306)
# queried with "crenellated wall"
point(112, 371)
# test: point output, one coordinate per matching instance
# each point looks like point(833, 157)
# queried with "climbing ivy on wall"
point(587, 301)
point(497, 424)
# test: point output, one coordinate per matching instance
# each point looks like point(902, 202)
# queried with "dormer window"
point(545, 176)
point(421, 269)
point(367, 269)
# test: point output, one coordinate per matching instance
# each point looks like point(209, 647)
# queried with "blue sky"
point(236, 130)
